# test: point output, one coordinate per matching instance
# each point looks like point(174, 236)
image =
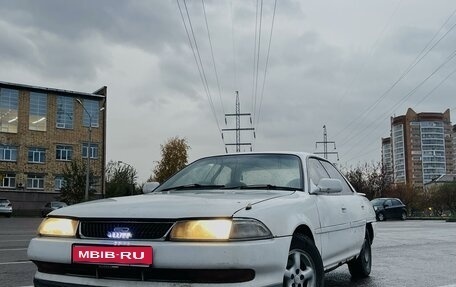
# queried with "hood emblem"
point(120, 233)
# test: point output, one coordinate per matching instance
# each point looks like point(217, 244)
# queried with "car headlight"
point(52, 226)
point(219, 230)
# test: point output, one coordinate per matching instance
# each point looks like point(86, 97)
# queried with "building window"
point(38, 111)
point(9, 101)
point(59, 182)
point(35, 181)
point(8, 153)
point(93, 150)
point(65, 110)
point(93, 109)
point(8, 180)
point(64, 152)
point(36, 155)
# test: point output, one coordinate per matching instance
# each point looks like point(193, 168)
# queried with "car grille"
point(139, 229)
point(150, 274)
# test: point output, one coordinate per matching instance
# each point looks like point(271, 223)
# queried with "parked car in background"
point(6, 208)
point(51, 206)
point(389, 208)
point(245, 219)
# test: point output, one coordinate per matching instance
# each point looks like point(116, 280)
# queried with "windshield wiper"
point(193, 186)
point(263, 186)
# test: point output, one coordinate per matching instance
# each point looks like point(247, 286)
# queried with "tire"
point(381, 216)
point(403, 215)
point(8, 215)
point(304, 266)
point(361, 266)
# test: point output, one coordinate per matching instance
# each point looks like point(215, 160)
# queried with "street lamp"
point(86, 194)
point(132, 175)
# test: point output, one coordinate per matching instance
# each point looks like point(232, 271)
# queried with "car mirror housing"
point(329, 185)
point(150, 186)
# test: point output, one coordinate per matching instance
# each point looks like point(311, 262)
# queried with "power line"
point(393, 108)
point(415, 62)
point(435, 88)
point(258, 63)
point(200, 69)
point(370, 53)
point(213, 58)
point(266, 67)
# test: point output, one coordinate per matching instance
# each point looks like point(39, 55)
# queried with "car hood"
point(175, 204)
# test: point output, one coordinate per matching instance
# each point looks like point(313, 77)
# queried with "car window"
point(378, 201)
point(396, 202)
point(316, 171)
point(334, 173)
point(241, 170)
point(388, 203)
point(4, 201)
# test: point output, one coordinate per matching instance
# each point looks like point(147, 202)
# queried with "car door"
point(334, 228)
point(397, 208)
point(355, 208)
point(388, 208)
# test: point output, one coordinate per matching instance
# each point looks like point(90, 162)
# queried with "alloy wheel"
point(300, 270)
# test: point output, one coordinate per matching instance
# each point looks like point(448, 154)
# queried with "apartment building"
point(43, 129)
point(422, 147)
point(387, 158)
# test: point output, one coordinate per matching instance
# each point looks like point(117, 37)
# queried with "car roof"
point(300, 154)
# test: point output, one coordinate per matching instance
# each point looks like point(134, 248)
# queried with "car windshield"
point(59, 204)
point(377, 201)
point(244, 171)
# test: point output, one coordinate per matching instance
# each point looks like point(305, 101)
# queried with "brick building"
point(41, 130)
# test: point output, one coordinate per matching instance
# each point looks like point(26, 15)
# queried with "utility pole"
point(89, 152)
point(238, 128)
point(325, 143)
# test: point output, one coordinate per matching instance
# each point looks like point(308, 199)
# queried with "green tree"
point(120, 179)
point(74, 177)
point(174, 156)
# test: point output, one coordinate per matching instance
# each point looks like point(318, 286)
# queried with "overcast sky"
point(331, 63)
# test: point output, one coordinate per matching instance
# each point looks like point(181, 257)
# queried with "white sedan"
point(249, 219)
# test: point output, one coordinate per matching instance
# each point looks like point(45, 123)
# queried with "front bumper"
point(242, 263)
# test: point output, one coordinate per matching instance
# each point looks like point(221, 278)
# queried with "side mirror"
point(150, 186)
point(329, 185)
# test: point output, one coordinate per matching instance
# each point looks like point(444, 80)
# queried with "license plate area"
point(112, 255)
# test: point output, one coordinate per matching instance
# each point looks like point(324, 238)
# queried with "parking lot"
point(405, 253)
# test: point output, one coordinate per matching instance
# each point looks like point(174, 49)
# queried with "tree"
point(120, 179)
point(74, 182)
point(174, 155)
point(443, 198)
point(370, 179)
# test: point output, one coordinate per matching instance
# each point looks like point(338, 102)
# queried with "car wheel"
point(403, 215)
point(304, 266)
point(8, 215)
point(381, 217)
point(360, 267)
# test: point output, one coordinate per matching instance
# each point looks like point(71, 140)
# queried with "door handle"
point(344, 209)
point(362, 206)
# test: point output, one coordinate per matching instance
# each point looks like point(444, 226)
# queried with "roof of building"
point(52, 90)
point(445, 178)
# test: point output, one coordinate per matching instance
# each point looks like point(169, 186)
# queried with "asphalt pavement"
point(405, 253)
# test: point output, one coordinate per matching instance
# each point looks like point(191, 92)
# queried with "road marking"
point(13, 249)
point(15, 262)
